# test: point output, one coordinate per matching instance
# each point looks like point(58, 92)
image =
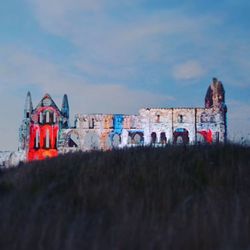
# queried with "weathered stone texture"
point(152, 126)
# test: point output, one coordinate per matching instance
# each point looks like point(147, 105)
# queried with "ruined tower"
point(65, 112)
point(28, 108)
point(215, 97)
point(215, 100)
point(24, 128)
point(39, 131)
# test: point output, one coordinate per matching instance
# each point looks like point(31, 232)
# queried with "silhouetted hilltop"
point(194, 197)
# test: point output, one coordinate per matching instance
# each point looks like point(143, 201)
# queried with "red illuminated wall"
point(39, 150)
point(207, 135)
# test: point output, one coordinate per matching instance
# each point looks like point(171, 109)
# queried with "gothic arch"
point(153, 138)
point(72, 139)
point(181, 136)
point(163, 138)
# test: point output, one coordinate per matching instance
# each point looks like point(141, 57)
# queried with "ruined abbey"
point(46, 132)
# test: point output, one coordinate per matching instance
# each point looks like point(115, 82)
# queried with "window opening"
point(92, 123)
point(163, 138)
point(47, 139)
point(41, 117)
point(47, 117)
point(180, 118)
point(37, 139)
point(54, 117)
point(153, 138)
point(158, 118)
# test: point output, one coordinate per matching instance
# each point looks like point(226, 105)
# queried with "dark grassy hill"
point(141, 198)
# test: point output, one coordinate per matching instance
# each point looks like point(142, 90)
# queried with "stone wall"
point(153, 126)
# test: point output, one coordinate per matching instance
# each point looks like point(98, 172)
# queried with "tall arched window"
point(37, 139)
point(137, 139)
point(54, 117)
point(92, 123)
point(180, 118)
point(47, 142)
point(47, 117)
point(153, 138)
point(181, 136)
point(163, 138)
point(41, 117)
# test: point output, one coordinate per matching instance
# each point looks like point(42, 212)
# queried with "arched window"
point(47, 115)
point(47, 141)
point(158, 117)
point(54, 117)
point(37, 140)
point(92, 123)
point(41, 117)
point(135, 138)
point(153, 138)
point(163, 138)
point(180, 118)
point(73, 140)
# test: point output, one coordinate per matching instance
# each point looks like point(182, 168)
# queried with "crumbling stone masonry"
point(45, 130)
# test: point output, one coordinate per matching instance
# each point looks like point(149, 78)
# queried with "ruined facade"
point(45, 130)
point(39, 132)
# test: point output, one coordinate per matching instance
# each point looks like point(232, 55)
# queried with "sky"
point(119, 56)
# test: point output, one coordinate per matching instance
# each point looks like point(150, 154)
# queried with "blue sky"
point(118, 56)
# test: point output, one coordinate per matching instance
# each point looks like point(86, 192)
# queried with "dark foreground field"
point(141, 198)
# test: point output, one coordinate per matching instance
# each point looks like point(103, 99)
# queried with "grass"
point(195, 197)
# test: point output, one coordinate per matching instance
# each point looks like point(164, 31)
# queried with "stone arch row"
point(180, 136)
point(93, 140)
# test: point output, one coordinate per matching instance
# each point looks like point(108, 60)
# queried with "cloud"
point(188, 70)
point(123, 36)
point(119, 44)
point(104, 37)
point(114, 43)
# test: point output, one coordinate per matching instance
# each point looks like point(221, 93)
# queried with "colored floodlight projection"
point(45, 130)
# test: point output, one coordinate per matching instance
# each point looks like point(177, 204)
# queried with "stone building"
point(38, 134)
point(45, 130)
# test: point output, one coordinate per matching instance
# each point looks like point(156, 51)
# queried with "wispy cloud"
point(103, 37)
point(188, 70)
